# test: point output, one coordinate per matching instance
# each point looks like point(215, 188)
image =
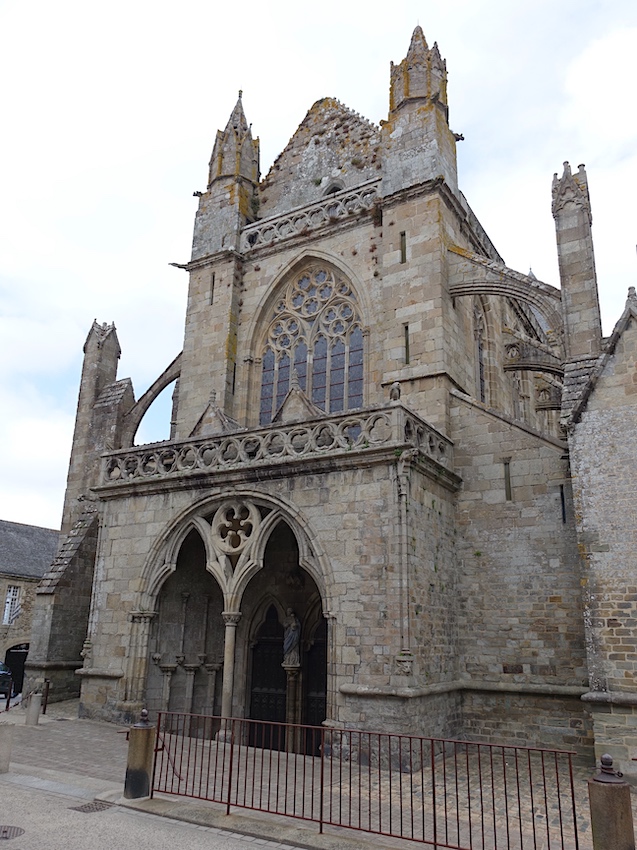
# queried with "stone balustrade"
point(353, 432)
point(305, 219)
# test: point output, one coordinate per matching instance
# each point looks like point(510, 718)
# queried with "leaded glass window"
point(316, 331)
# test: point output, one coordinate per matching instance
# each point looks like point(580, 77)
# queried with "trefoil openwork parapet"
point(391, 427)
point(340, 205)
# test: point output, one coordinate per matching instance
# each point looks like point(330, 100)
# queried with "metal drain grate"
point(7, 832)
point(95, 806)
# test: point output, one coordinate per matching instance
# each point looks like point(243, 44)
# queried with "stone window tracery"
point(478, 335)
point(316, 332)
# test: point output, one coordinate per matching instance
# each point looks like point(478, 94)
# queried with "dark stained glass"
point(319, 372)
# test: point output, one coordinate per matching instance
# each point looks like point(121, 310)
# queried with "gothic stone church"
point(378, 427)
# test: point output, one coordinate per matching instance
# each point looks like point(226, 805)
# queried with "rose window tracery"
point(316, 332)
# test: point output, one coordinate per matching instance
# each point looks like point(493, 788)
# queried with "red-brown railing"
point(446, 793)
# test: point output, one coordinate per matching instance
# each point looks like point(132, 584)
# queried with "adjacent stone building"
point(397, 490)
point(26, 552)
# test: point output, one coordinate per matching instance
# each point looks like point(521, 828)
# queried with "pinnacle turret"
point(421, 75)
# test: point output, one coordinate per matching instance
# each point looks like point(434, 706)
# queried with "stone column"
point(231, 619)
point(167, 671)
point(211, 670)
point(190, 669)
point(138, 654)
point(292, 706)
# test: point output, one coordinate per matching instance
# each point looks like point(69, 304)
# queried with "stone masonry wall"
point(350, 516)
point(602, 452)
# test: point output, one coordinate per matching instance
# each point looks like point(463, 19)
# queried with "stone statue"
point(291, 640)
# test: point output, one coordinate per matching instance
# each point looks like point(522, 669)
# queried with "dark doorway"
point(269, 682)
point(14, 659)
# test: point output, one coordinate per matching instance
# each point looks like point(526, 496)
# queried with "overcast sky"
point(109, 112)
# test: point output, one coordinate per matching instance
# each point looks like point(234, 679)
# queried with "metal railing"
point(445, 793)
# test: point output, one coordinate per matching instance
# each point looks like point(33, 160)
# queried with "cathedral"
point(398, 489)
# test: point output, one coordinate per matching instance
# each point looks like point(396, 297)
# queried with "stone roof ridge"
point(599, 364)
point(501, 268)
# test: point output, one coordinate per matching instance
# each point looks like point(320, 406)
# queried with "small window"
point(12, 608)
point(403, 247)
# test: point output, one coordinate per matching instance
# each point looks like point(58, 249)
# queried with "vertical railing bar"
point(231, 765)
point(444, 785)
point(433, 791)
point(546, 803)
point(517, 784)
point(570, 773)
point(468, 795)
point(495, 827)
point(351, 778)
point(481, 793)
point(184, 760)
point(380, 779)
point(255, 727)
point(411, 786)
point(211, 744)
point(422, 788)
point(455, 769)
point(156, 755)
point(360, 781)
point(391, 786)
point(322, 779)
point(506, 795)
point(559, 800)
point(530, 763)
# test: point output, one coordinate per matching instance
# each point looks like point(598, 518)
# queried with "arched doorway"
point(285, 686)
point(186, 643)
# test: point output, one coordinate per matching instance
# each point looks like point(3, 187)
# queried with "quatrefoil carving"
point(234, 526)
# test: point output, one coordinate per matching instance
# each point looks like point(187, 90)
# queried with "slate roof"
point(26, 550)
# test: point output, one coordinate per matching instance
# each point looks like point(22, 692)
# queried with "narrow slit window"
point(507, 480)
point(403, 247)
point(212, 288)
point(407, 354)
point(563, 503)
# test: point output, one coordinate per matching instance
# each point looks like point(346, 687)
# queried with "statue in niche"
point(291, 640)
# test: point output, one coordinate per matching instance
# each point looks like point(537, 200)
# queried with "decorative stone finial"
point(632, 297)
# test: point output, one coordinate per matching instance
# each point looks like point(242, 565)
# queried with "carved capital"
point(231, 618)
point(141, 616)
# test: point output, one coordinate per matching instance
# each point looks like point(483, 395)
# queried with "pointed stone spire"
point(235, 153)
point(418, 46)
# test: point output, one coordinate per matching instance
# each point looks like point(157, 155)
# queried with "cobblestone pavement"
point(89, 758)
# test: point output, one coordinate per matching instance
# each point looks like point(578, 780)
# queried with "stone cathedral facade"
point(381, 433)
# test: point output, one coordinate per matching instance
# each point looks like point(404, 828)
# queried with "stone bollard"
point(611, 812)
point(141, 755)
point(33, 710)
point(6, 738)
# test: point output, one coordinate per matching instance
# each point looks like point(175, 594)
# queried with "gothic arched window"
point(315, 332)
